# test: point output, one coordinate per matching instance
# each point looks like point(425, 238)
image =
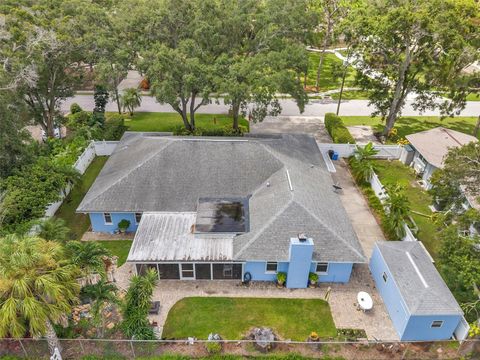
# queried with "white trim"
point(436, 327)
point(417, 270)
point(194, 277)
point(270, 271)
point(105, 219)
point(322, 262)
point(289, 181)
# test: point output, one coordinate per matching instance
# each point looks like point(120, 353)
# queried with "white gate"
point(461, 332)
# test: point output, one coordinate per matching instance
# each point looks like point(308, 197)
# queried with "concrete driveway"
point(313, 125)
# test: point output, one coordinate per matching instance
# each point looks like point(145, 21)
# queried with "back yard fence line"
point(113, 349)
point(95, 148)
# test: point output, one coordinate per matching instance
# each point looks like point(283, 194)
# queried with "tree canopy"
point(408, 47)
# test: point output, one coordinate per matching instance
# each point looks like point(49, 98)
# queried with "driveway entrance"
point(312, 125)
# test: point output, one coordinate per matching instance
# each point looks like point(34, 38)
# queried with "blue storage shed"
point(421, 306)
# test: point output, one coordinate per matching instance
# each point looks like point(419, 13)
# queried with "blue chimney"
point(301, 252)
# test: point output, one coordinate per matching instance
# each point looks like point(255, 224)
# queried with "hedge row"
point(337, 130)
point(218, 131)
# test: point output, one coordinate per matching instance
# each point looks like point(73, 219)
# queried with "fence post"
point(23, 348)
point(133, 351)
point(81, 346)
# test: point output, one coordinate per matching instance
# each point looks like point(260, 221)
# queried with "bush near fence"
point(337, 130)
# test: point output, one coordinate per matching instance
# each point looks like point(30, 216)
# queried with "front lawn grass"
point(394, 172)
point(232, 318)
point(168, 122)
point(79, 223)
point(412, 124)
point(118, 248)
point(327, 82)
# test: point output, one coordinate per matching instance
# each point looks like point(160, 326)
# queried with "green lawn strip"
point(412, 124)
point(394, 172)
point(326, 79)
point(351, 95)
point(167, 122)
point(118, 248)
point(79, 223)
point(232, 318)
point(473, 97)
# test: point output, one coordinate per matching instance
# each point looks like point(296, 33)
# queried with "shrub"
point(313, 277)
point(213, 347)
point(114, 127)
point(75, 108)
point(78, 119)
point(123, 225)
point(217, 131)
point(337, 130)
point(281, 278)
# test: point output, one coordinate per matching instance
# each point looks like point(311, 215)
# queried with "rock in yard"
point(264, 339)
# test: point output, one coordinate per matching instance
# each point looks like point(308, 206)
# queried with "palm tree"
point(88, 256)
point(131, 99)
point(397, 208)
point(137, 304)
point(38, 287)
point(102, 294)
point(53, 229)
point(361, 162)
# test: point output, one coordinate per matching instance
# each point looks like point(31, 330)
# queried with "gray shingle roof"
point(151, 173)
point(421, 286)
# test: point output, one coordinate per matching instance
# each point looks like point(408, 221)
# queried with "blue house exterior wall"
point(258, 270)
point(337, 272)
point(98, 222)
point(301, 253)
point(420, 328)
point(409, 327)
point(391, 296)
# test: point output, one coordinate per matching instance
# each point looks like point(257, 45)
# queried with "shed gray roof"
point(421, 286)
point(434, 144)
point(284, 177)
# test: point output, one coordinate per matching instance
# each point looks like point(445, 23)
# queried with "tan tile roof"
point(434, 144)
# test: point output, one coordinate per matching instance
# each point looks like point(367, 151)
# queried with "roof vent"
point(302, 237)
point(268, 183)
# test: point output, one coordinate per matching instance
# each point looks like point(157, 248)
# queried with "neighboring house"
point(226, 208)
point(430, 148)
point(417, 299)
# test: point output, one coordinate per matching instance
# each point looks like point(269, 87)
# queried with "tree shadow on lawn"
point(410, 125)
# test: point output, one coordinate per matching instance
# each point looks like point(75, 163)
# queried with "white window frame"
point(135, 215)
point(436, 322)
point(187, 277)
point(322, 272)
point(385, 277)
point(105, 218)
point(270, 271)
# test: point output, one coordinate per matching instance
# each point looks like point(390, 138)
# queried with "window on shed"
point(272, 266)
point(138, 217)
point(437, 323)
point(322, 268)
point(385, 277)
point(108, 218)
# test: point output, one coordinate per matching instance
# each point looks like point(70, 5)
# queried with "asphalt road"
point(289, 108)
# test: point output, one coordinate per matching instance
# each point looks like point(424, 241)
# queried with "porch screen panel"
point(142, 268)
point(202, 271)
point(169, 271)
point(227, 271)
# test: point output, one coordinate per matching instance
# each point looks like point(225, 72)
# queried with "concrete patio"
point(342, 298)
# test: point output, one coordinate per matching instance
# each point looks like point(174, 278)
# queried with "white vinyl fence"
point(347, 150)
point(95, 148)
point(382, 194)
